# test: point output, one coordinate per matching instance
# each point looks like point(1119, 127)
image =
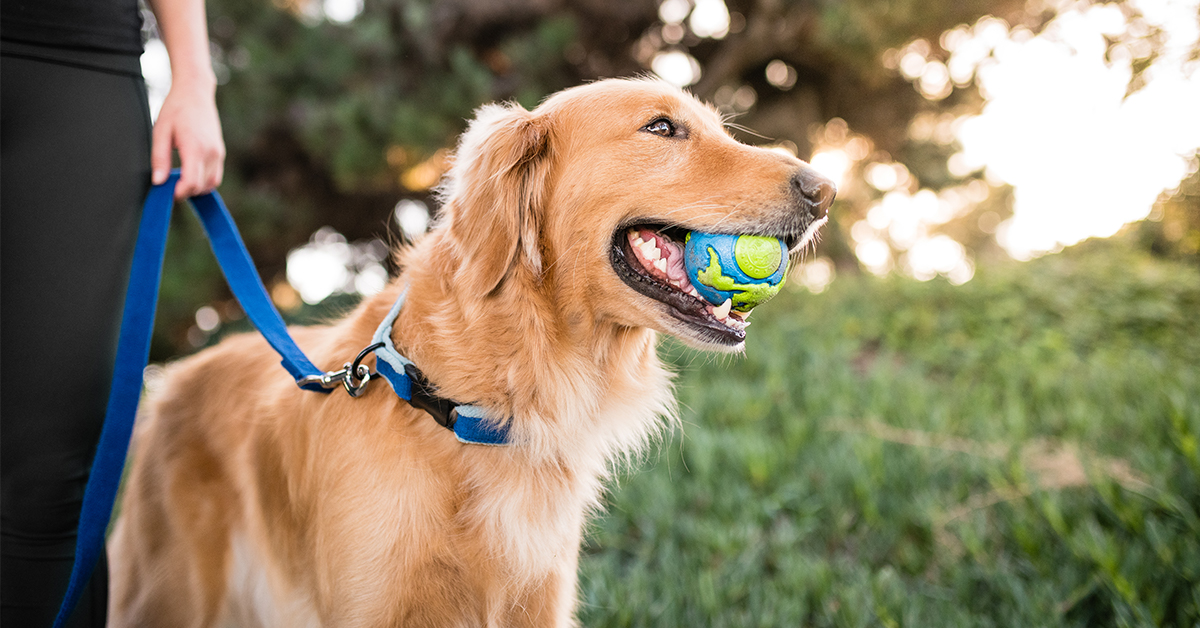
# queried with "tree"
point(331, 123)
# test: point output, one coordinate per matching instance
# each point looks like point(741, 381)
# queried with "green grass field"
point(1017, 451)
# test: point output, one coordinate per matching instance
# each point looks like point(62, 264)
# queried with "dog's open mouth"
point(650, 260)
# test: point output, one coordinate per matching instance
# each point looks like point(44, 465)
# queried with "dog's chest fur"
point(498, 528)
point(593, 418)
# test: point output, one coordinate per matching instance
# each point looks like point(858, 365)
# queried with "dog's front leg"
point(549, 603)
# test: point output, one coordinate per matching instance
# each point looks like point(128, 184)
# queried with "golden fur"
point(254, 503)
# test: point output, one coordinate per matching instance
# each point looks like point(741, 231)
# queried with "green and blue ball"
point(747, 269)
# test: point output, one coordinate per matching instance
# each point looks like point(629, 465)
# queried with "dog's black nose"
point(816, 192)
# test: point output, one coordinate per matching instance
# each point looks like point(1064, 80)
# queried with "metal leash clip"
point(353, 376)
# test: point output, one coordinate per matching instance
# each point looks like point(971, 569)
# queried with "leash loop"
point(358, 374)
point(362, 354)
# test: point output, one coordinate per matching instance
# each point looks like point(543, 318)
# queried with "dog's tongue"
point(662, 257)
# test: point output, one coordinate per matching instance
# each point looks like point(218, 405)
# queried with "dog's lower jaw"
point(680, 315)
point(695, 340)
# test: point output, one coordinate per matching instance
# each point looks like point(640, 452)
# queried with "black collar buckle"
point(441, 409)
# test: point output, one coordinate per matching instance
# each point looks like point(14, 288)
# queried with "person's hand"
point(189, 124)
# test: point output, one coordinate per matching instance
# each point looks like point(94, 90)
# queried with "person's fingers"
point(216, 172)
point(160, 152)
point(211, 161)
point(201, 171)
point(191, 169)
point(190, 128)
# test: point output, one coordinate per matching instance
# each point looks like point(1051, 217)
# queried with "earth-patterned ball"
point(745, 268)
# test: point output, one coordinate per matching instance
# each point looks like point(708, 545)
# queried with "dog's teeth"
point(735, 320)
point(661, 265)
point(722, 310)
point(650, 251)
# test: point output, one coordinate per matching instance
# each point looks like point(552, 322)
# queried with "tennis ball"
point(748, 269)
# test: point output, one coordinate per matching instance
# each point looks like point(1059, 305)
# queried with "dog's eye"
point(662, 127)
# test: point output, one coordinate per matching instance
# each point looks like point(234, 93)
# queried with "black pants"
point(75, 133)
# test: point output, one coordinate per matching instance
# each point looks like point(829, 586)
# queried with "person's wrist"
point(196, 79)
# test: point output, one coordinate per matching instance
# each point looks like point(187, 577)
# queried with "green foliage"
point(1018, 451)
point(322, 121)
point(1174, 228)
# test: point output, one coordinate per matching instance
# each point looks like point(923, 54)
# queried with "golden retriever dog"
point(254, 503)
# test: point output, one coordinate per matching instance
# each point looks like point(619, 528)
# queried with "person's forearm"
point(188, 121)
point(184, 31)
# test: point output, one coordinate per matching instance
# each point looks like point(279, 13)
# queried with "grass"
point(1017, 451)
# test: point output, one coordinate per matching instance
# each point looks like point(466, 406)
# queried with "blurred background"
point(977, 403)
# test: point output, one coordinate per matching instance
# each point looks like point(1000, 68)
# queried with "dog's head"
point(556, 199)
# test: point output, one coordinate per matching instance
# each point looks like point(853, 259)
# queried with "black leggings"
point(75, 170)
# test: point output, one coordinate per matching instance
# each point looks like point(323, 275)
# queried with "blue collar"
point(471, 424)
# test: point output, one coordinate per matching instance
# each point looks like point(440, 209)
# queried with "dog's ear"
point(494, 193)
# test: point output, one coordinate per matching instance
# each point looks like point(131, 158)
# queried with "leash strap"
point(248, 288)
point(133, 352)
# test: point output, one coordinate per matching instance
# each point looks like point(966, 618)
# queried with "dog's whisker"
point(747, 131)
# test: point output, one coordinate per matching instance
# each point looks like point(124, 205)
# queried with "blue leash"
point(470, 424)
point(133, 352)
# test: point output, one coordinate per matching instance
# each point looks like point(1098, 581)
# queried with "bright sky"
point(705, 18)
point(156, 70)
point(329, 265)
point(1084, 160)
